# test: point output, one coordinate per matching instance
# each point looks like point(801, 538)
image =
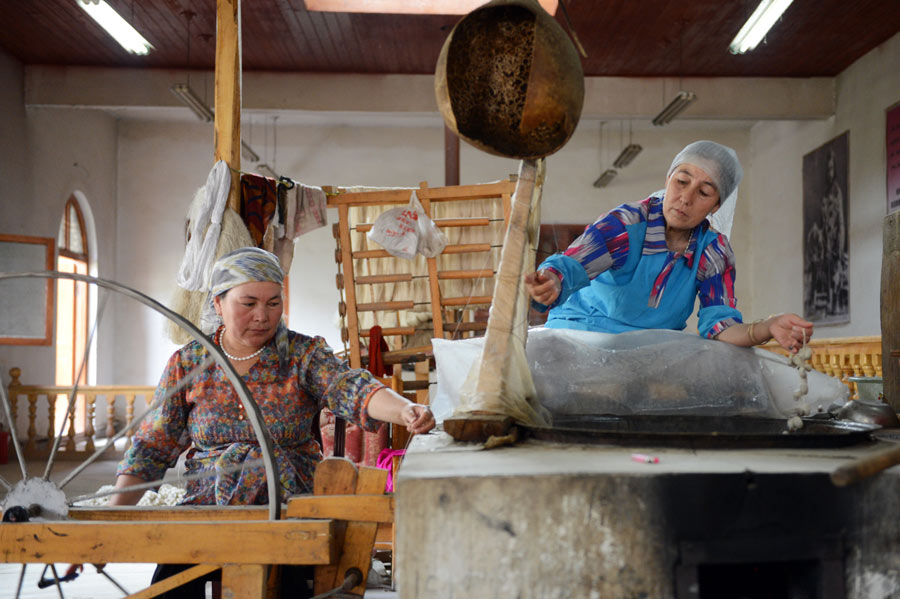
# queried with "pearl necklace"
point(235, 358)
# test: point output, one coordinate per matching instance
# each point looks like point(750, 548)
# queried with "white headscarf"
point(722, 165)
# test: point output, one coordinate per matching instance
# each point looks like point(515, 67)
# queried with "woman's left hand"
point(417, 418)
point(790, 331)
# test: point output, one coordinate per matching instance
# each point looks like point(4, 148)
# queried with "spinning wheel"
point(36, 508)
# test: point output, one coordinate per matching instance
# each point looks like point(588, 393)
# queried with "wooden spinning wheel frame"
point(241, 540)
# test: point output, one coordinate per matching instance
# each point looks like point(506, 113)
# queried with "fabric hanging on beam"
point(277, 212)
point(259, 204)
point(302, 208)
point(206, 226)
point(230, 234)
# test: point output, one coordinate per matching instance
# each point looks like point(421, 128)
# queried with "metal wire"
point(74, 395)
point(55, 579)
point(21, 580)
point(112, 442)
point(12, 427)
point(113, 580)
point(179, 479)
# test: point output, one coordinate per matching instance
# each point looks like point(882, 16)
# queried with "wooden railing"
point(843, 357)
point(76, 444)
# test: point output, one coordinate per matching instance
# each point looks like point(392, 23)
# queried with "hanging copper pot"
point(509, 80)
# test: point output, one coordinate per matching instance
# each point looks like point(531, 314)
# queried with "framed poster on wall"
point(26, 305)
point(826, 255)
point(892, 157)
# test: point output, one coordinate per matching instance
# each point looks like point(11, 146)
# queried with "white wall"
point(46, 155)
point(864, 91)
point(15, 194)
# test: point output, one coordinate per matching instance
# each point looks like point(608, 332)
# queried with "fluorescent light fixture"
point(116, 26)
point(190, 99)
point(758, 25)
point(248, 153)
point(681, 101)
point(607, 176)
point(409, 7)
point(627, 155)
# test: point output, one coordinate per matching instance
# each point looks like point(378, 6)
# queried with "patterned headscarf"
point(244, 265)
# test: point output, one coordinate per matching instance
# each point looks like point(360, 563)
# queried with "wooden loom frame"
point(334, 534)
point(346, 253)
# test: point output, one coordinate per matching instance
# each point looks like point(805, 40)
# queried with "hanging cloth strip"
point(377, 347)
point(386, 462)
point(259, 204)
point(309, 211)
point(199, 254)
point(302, 209)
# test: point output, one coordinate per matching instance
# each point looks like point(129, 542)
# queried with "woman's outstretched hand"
point(790, 331)
point(543, 286)
point(418, 418)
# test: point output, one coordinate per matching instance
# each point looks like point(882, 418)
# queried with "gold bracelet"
point(753, 340)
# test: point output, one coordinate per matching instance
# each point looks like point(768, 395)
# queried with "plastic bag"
point(405, 231)
point(431, 240)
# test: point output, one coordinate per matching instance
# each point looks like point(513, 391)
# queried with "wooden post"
point(228, 93)
point(334, 476)
point(243, 580)
point(488, 415)
point(890, 309)
point(494, 363)
point(451, 157)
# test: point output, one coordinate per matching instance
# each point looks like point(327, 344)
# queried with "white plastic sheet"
point(643, 372)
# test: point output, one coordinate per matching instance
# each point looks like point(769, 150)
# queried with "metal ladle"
point(509, 81)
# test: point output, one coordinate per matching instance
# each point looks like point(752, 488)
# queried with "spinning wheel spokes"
point(73, 396)
point(134, 424)
point(250, 408)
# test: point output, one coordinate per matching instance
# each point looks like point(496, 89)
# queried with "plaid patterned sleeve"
point(604, 244)
point(715, 281)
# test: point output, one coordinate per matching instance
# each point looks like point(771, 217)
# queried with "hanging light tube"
point(681, 101)
point(758, 25)
point(248, 153)
point(190, 99)
point(607, 176)
point(419, 7)
point(628, 154)
point(113, 23)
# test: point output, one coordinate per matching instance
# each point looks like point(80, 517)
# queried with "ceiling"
point(632, 38)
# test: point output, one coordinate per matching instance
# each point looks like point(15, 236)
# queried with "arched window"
point(71, 308)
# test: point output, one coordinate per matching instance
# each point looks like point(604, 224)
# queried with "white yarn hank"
point(201, 248)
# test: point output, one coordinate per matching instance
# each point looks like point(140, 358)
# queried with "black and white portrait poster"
point(826, 255)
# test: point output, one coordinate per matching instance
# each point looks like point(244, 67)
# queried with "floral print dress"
point(207, 419)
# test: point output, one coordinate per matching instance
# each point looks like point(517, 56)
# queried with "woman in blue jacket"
point(642, 265)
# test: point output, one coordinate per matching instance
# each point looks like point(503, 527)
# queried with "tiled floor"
point(89, 584)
